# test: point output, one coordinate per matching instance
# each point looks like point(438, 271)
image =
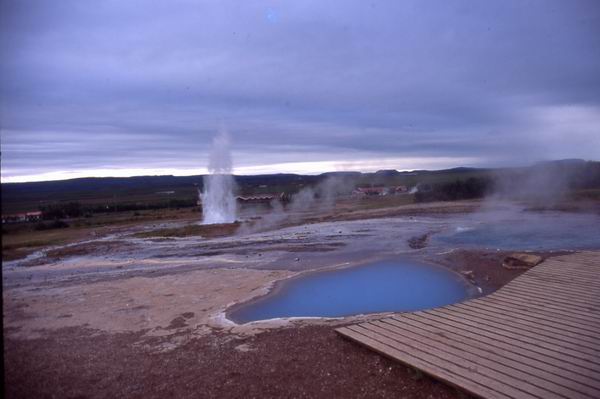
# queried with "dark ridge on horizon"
point(382, 172)
point(167, 189)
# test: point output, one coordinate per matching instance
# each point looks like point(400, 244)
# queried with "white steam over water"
point(218, 200)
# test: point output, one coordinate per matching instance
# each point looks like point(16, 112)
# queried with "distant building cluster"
point(361, 191)
point(22, 217)
point(379, 191)
point(262, 198)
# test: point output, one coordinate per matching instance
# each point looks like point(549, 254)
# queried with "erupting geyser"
point(218, 200)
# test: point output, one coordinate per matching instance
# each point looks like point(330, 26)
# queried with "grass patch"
point(21, 239)
point(18, 246)
point(589, 194)
point(192, 230)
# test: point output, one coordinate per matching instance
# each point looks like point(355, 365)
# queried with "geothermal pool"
point(527, 231)
point(386, 286)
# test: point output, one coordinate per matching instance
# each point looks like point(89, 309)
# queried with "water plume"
point(218, 199)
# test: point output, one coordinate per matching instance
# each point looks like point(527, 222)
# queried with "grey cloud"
point(154, 80)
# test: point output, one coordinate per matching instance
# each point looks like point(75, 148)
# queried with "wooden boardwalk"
point(537, 337)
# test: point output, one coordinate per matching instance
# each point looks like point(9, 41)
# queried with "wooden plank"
point(562, 265)
point(518, 311)
point(517, 337)
point(567, 267)
point(583, 302)
point(526, 331)
point(429, 368)
point(569, 284)
point(530, 276)
point(567, 289)
point(565, 276)
point(576, 274)
point(556, 298)
point(554, 290)
point(557, 268)
point(573, 262)
point(547, 364)
point(503, 341)
point(504, 368)
point(531, 324)
point(562, 268)
point(576, 261)
point(489, 338)
point(549, 312)
point(540, 314)
point(432, 365)
point(500, 372)
point(564, 280)
point(530, 298)
point(467, 371)
point(581, 253)
point(563, 300)
point(563, 338)
point(590, 322)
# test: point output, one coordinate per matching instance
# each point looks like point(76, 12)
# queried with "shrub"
point(471, 188)
point(56, 224)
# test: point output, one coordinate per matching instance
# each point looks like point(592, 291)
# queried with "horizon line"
point(249, 171)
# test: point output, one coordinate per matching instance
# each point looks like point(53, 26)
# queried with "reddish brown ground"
point(486, 266)
point(306, 362)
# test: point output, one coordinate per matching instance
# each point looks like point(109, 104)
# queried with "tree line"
point(75, 209)
point(473, 187)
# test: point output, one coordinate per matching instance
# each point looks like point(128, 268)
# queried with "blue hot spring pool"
point(378, 287)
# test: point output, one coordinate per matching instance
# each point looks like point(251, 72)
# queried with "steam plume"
point(218, 200)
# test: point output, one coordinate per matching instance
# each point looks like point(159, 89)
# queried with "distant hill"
point(387, 172)
point(19, 197)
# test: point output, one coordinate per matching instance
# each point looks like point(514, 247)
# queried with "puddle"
point(385, 286)
point(528, 232)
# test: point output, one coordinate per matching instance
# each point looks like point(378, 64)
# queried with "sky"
point(121, 88)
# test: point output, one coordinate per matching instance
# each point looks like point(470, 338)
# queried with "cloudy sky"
point(117, 88)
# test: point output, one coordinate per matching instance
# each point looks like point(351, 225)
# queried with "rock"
point(418, 242)
point(244, 348)
point(470, 274)
point(521, 261)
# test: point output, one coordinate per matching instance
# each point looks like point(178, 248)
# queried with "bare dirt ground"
point(483, 268)
point(138, 315)
point(301, 362)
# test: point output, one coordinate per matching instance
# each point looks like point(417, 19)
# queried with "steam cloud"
point(218, 199)
point(309, 200)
